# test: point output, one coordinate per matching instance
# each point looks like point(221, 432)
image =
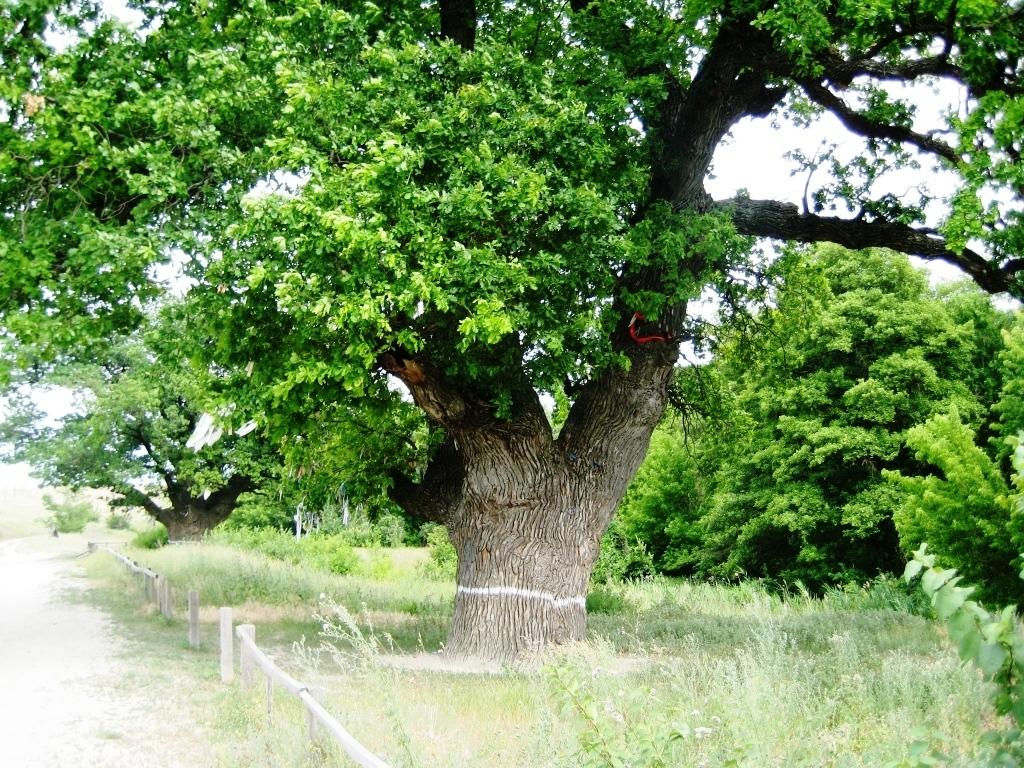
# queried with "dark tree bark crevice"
point(458, 22)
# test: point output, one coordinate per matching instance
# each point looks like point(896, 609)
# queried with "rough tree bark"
point(526, 510)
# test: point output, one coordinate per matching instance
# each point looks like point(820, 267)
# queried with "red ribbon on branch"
point(634, 333)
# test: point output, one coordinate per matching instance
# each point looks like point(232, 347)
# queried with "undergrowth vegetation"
point(674, 673)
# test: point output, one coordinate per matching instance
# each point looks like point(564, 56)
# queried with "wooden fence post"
point(193, 618)
point(318, 694)
point(270, 699)
point(227, 647)
point(164, 591)
point(245, 663)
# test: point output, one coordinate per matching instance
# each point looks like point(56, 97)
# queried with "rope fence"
point(251, 658)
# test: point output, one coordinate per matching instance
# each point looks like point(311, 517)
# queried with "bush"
point(621, 558)
point(118, 522)
point(259, 510)
point(603, 599)
point(318, 551)
point(152, 538)
point(69, 515)
point(444, 560)
point(390, 530)
point(326, 553)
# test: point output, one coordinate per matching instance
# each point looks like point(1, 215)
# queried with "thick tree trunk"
point(191, 522)
point(190, 517)
point(526, 547)
point(526, 510)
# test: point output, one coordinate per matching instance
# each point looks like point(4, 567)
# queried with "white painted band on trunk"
point(532, 594)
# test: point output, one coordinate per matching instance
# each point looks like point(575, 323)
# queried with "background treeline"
point(860, 415)
point(854, 415)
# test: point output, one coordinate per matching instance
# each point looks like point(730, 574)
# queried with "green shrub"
point(258, 510)
point(151, 538)
point(319, 551)
point(390, 530)
point(326, 553)
point(444, 560)
point(118, 522)
point(621, 558)
point(992, 642)
point(965, 511)
point(602, 598)
point(69, 515)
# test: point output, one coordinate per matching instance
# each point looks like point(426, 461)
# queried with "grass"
point(673, 673)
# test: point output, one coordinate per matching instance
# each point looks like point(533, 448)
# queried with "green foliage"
point(261, 510)
point(992, 642)
point(967, 507)
point(70, 514)
point(443, 557)
point(965, 511)
point(137, 406)
point(663, 504)
point(118, 522)
point(151, 538)
point(855, 353)
point(330, 553)
point(391, 530)
point(621, 557)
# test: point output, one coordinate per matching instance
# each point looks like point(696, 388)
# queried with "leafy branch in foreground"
point(993, 642)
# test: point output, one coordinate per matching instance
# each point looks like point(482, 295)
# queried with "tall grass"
point(673, 674)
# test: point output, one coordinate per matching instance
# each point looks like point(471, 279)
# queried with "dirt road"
point(67, 699)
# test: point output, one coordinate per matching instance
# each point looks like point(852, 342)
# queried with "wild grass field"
point(673, 673)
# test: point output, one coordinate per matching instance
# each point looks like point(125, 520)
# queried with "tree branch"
point(458, 22)
point(438, 493)
point(842, 72)
point(784, 221)
point(229, 493)
point(136, 498)
point(865, 126)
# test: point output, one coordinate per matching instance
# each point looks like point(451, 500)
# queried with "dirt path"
point(66, 691)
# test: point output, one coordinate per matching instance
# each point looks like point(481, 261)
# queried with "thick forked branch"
point(227, 496)
point(455, 408)
point(440, 401)
point(458, 22)
point(438, 492)
point(731, 82)
point(136, 498)
point(784, 221)
point(864, 126)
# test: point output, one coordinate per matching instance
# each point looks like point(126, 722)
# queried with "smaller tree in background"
point(964, 503)
point(815, 402)
point(137, 410)
point(966, 513)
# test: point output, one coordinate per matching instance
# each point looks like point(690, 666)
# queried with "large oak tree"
point(482, 201)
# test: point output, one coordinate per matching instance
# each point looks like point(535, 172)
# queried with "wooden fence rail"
point(251, 653)
point(157, 588)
